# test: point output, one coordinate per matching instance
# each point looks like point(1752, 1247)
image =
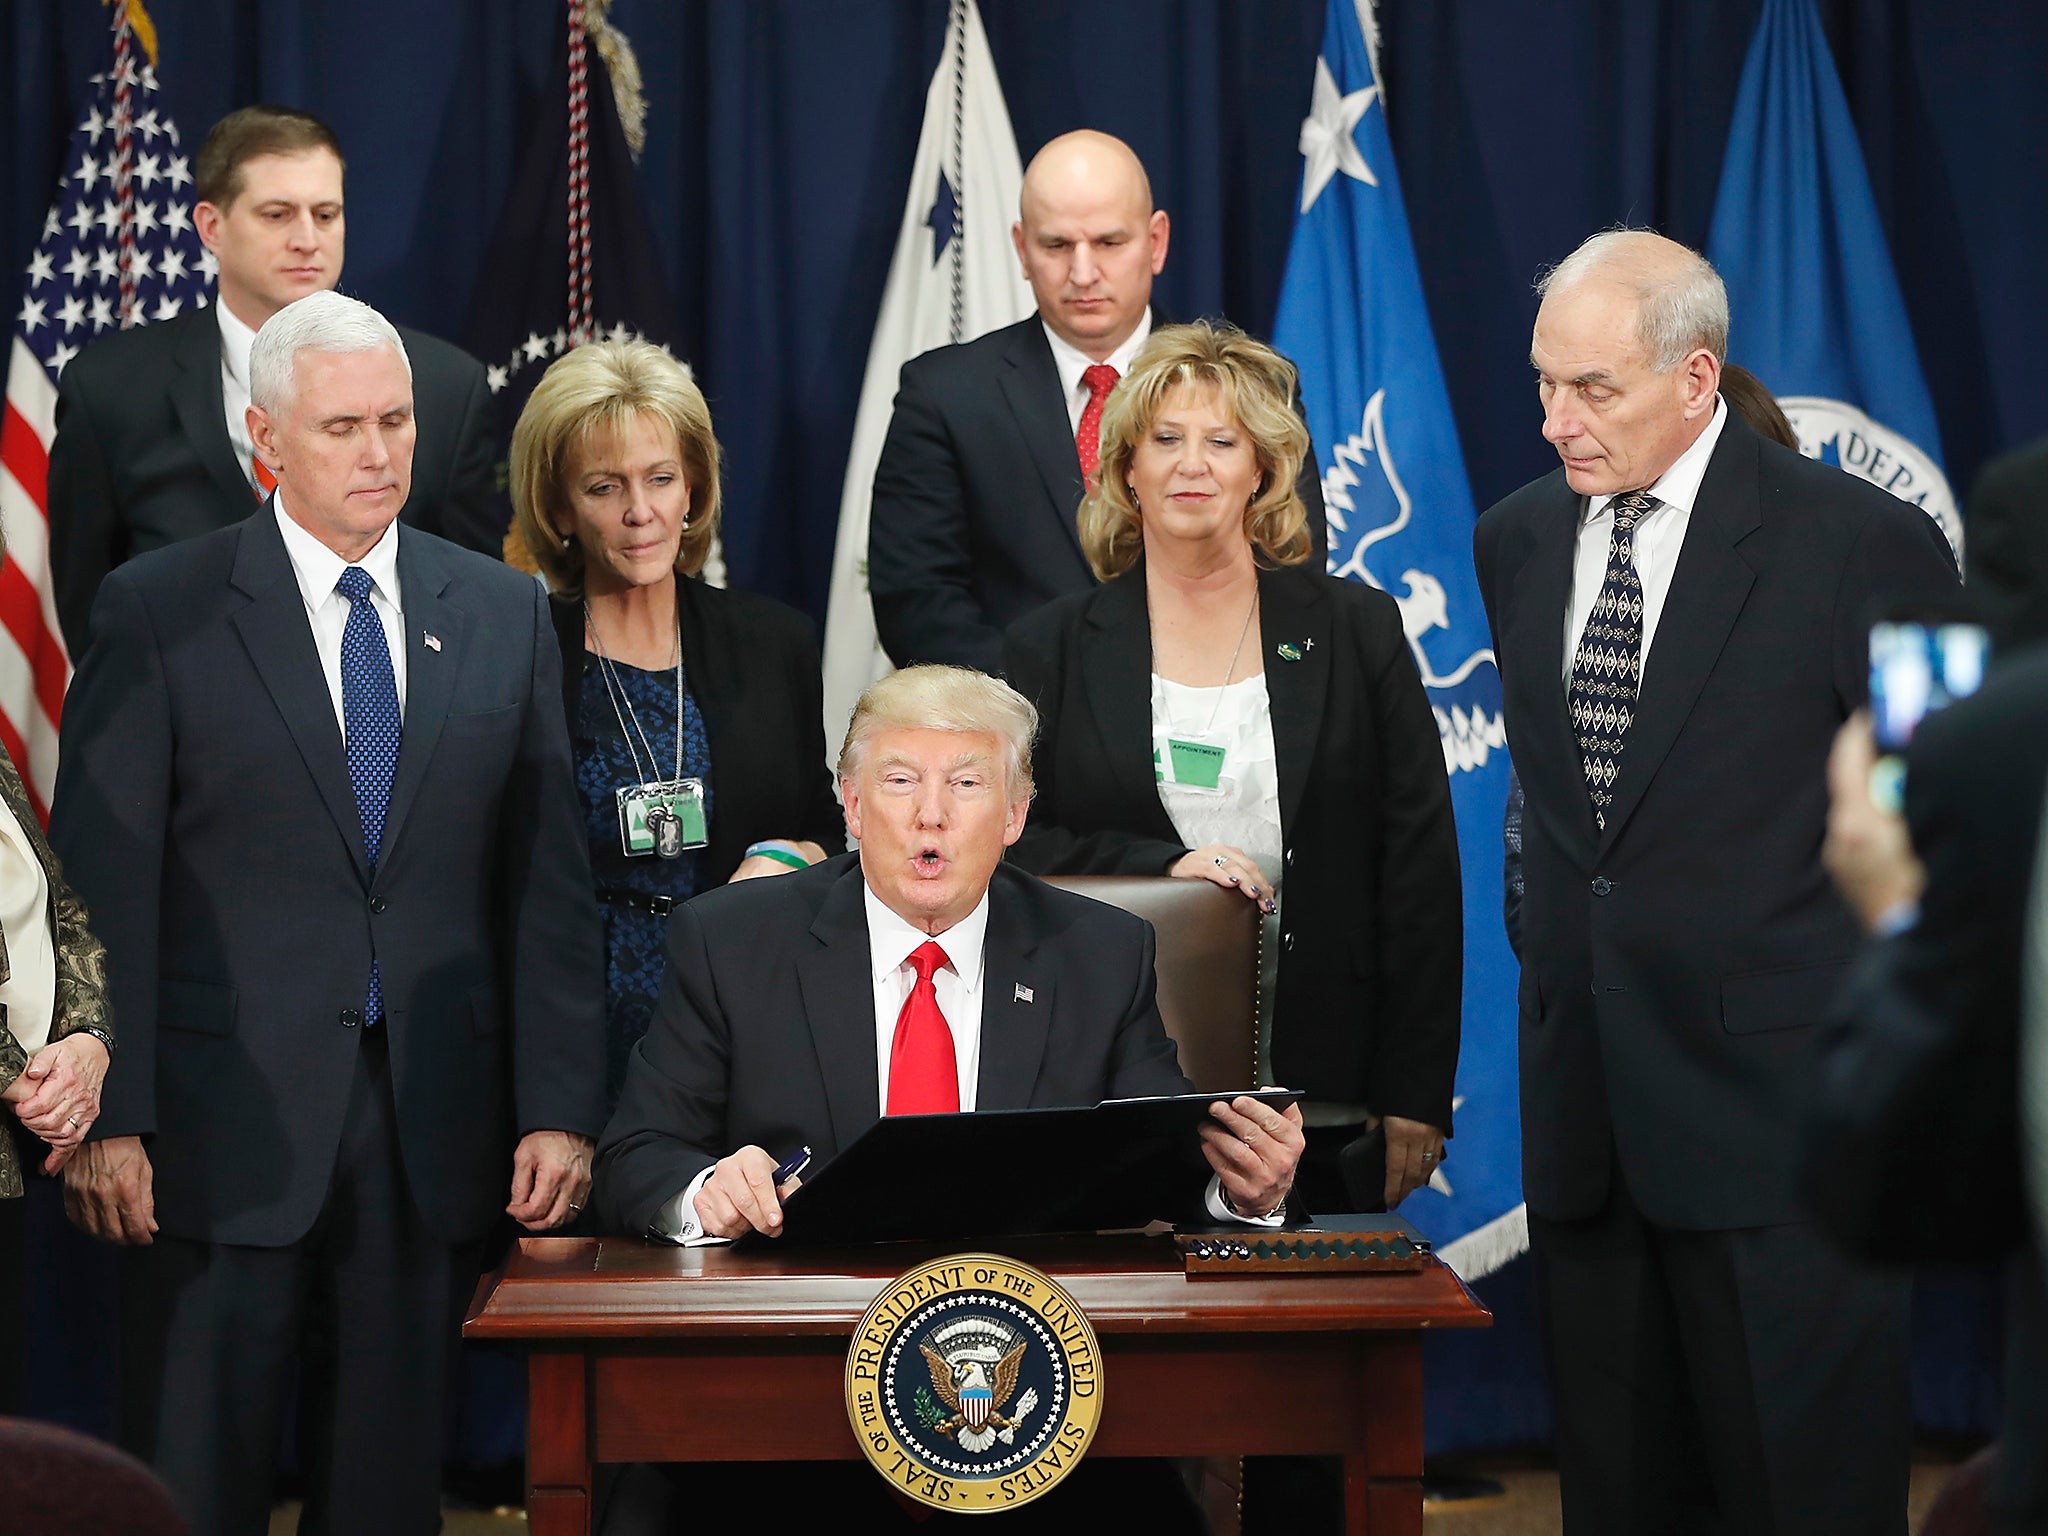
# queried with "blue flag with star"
point(1816, 306)
point(1353, 320)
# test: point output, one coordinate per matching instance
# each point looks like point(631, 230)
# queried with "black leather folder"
point(1011, 1173)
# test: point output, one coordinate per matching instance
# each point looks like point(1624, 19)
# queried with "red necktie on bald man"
point(924, 1075)
point(1100, 379)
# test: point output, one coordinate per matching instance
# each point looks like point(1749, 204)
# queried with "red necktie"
point(924, 1078)
point(266, 482)
point(1100, 379)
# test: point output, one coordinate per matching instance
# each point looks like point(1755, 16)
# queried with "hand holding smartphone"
point(1921, 659)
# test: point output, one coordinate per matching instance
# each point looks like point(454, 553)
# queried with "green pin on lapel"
point(1289, 651)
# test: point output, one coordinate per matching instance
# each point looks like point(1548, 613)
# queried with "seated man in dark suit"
point(152, 444)
point(984, 465)
point(919, 975)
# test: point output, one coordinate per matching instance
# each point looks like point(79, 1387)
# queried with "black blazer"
point(764, 1033)
point(204, 814)
point(142, 456)
point(1372, 949)
point(975, 497)
point(2005, 549)
point(1674, 967)
point(753, 670)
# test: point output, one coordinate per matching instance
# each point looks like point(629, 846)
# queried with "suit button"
point(1287, 942)
point(352, 1018)
point(376, 903)
point(1602, 885)
point(1290, 858)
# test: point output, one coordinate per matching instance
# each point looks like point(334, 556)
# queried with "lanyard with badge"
point(664, 817)
point(1196, 761)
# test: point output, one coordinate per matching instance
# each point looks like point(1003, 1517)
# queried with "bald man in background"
point(983, 469)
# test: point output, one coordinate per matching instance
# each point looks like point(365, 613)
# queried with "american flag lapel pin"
point(1022, 994)
point(433, 641)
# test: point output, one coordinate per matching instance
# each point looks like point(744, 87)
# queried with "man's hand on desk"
point(1253, 1147)
point(741, 1196)
point(550, 1179)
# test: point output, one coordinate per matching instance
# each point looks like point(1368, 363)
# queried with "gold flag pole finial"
point(136, 16)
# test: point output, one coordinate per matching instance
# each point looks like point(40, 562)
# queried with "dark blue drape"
point(781, 134)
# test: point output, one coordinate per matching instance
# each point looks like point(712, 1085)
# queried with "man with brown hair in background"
point(151, 444)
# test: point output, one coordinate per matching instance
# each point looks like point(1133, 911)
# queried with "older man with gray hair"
point(1679, 612)
point(316, 790)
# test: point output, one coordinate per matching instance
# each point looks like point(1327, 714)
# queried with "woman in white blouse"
point(1221, 710)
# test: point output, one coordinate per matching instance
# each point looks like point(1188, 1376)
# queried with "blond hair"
point(1255, 386)
point(601, 388)
point(935, 698)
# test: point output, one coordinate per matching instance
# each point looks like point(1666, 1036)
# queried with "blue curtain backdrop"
point(781, 132)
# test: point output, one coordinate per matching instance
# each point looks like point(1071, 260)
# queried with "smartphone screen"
point(1917, 667)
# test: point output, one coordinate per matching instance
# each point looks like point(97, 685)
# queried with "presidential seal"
point(974, 1383)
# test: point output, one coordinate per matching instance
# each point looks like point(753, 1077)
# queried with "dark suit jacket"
point(1371, 957)
point(975, 496)
point(752, 666)
point(1914, 1152)
point(2005, 548)
point(1673, 969)
point(764, 1033)
point(204, 812)
point(142, 456)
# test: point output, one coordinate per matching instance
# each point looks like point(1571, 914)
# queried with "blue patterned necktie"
point(370, 719)
point(1608, 666)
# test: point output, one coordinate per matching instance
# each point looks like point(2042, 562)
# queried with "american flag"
point(118, 249)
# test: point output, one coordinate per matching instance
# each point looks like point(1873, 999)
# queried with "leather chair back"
point(1208, 969)
point(57, 1482)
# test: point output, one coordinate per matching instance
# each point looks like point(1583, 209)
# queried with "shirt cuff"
point(677, 1221)
point(1218, 1208)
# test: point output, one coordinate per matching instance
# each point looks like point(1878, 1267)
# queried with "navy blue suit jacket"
point(204, 812)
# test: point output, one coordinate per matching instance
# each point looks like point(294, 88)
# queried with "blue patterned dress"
point(632, 934)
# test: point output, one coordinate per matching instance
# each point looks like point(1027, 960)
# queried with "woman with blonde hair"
point(1222, 710)
point(695, 712)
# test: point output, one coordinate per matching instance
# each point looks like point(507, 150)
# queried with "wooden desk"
point(644, 1353)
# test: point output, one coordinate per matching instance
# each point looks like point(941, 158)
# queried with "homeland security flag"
point(117, 250)
point(1816, 305)
point(954, 277)
point(1353, 320)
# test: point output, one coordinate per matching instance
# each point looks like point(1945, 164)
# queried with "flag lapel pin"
point(433, 640)
point(1022, 994)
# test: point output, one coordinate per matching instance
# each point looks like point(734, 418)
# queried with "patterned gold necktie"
point(1607, 668)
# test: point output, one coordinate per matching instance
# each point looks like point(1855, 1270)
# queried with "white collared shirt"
point(30, 990)
point(318, 568)
point(959, 984)
point(1072, 363)
point(235, 341)
point(1658, 539)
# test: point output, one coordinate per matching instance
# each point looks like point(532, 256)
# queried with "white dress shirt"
point(1658, 539)
point(958, 982)
point(318, 568)
point(1072, 363)
point(235, 341)
point(30, 991)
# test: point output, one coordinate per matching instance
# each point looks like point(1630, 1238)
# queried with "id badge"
point(663, 818)
point(1190, 763)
